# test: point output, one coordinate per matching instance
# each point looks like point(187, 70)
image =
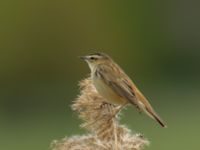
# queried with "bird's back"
point(116, 85)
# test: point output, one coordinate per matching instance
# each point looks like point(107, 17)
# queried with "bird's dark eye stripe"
point(93, 58)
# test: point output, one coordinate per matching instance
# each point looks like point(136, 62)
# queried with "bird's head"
point(95, 59)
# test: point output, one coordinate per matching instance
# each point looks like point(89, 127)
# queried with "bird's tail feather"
point(153, 115)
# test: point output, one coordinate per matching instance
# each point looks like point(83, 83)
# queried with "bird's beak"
point(83, 57)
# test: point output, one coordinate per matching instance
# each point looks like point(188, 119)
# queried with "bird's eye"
point(92, 58)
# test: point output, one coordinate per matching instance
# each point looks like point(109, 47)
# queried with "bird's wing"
point(124, 87)
point(117, 83)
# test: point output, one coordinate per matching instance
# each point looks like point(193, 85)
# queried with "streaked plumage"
point(115, 86)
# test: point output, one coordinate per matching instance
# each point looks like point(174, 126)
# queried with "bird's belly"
point(109, 95)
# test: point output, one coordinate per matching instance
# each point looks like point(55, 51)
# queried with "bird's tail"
point(150, 112)
point(144, 105)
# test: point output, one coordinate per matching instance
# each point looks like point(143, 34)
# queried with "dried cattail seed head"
point(105, 133)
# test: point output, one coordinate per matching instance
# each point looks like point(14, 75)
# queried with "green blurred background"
point(156, 42)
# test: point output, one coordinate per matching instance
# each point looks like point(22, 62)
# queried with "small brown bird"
point(115, 86)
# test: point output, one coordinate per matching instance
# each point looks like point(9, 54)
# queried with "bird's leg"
point(104, 104)
point(118, 109)
point(101, 108)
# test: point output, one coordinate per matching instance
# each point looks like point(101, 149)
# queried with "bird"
point(112, 83)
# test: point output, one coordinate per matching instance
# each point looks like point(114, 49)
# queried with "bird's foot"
point(105, 104)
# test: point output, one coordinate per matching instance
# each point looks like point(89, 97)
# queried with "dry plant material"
point(105, 132)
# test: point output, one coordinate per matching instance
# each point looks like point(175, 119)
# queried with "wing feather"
point(118, 85)
point(125, 88)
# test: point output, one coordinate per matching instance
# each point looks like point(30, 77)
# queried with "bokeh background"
point(156, 42)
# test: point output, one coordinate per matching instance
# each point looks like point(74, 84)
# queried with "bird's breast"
point(104, 90)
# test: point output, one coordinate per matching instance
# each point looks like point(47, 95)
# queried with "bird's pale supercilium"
point(115, 86)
